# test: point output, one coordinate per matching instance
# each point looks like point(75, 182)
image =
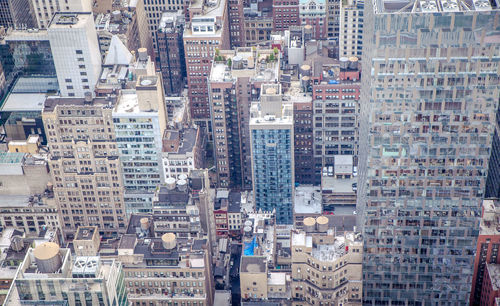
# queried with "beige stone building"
point(326, 268)
point(84, 164)
point(253, 277)
point(166, 270)
point(87, 241)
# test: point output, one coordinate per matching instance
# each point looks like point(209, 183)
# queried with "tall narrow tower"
point(429, 94)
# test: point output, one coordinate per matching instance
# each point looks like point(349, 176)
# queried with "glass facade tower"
point(429, 95)
point(271, 137)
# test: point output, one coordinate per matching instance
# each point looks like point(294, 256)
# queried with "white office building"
point(75, 49)
point(44, 10)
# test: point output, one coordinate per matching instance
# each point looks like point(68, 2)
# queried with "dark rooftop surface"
point(127, 241)
point(51, 102)
point(174, 197)
point(187, 140)
point(253, 264)
point(85, 233)
point(234, 202)
point(134, 223)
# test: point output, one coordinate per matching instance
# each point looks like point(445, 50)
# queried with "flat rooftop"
point(127, 102)
point(276, 278)
point(52, 102)
point(253, 264)
point(246, 62)
point(85, 232)
point(21, 102)
point(11, 157)
point(69, 20)
point(338, 185)
point(8, 201)
point(307, 200)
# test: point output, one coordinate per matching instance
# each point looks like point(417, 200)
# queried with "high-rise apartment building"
point(153, 11)
point(351, 28)
point(488, 243)
point(140, 119)
point(285, 14)
point(84, 163)
point(303, 143)
point(170, 52)
point(272, 148)
point(335, 94)
point(235, 81)
point(16, 14)
point(182, 151)
point(236, 23)
point(207, 32)
point(493, 180)
point(44, 10)
point(312, 15)
point(50, 275)
point(333, 18)
point(326, 268)
point(75, 50)
point(429, 96)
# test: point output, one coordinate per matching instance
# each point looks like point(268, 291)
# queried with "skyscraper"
point(84, 164)
point(429, 94)
point(235, 81)
point(73, 41)
point(207, 31)
point(170, 52)
point(272, 144)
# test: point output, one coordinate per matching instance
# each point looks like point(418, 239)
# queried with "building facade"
point(45, 10)
point(140, 120)
point(312, 15)
point(351, 28)
point(78, 64)
point(235, 81)
point(285, 14)
point(336, 107)
point(272, 148)
point(84, 164)
point(303, 143)
point(493, 180)
point(488, 243)
point(326, 269)
point(17, 14)
point(426, 128)
point(207, 32)
point(170, 52)
point(84, 280)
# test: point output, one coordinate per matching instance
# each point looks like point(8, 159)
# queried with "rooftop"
point(337, 185)
point(62, 20)
point(52, 102)
point(490, 221)
point(262, 65)
point(276, 278)
point(127, 102)
point(86, 232)
point(494, 273)
point(222, 297)
point(307, 200)
point(11, 157)
point(253, 264)
point(187, 138)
